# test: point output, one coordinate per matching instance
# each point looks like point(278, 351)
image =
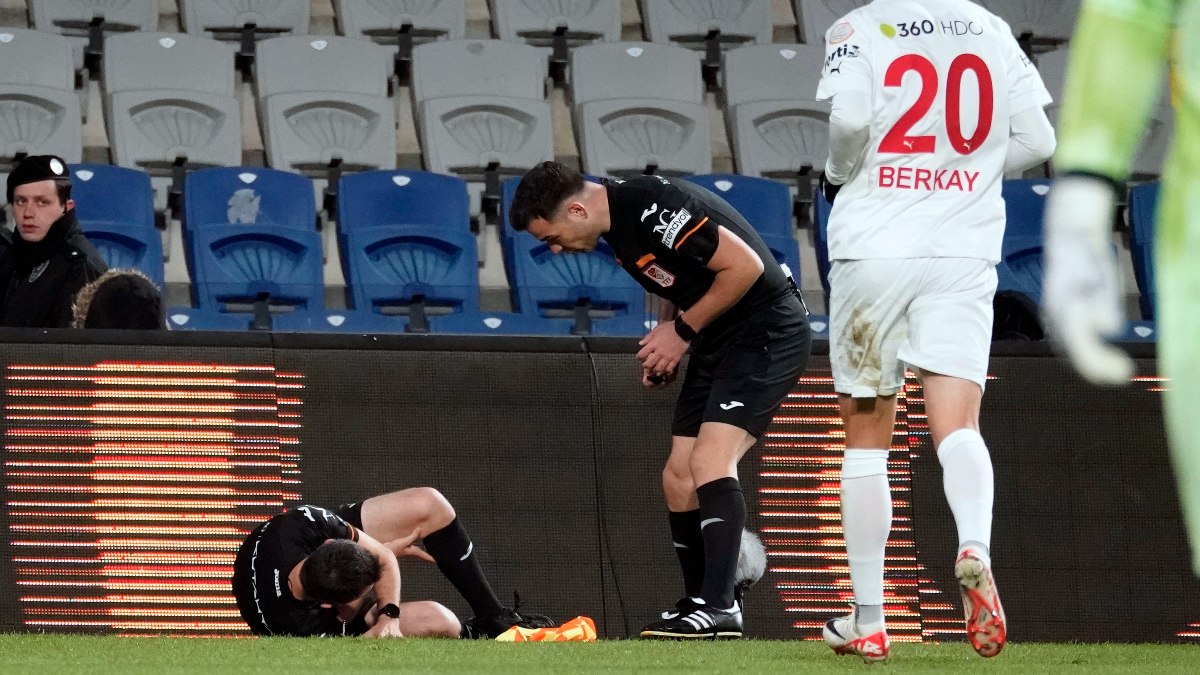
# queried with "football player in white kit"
point(932, 103)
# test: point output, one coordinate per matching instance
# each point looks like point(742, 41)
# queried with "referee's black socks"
point(722, 517)
point(689, 547)
point(454, 554)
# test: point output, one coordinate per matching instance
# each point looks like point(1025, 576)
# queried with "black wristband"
point(390, 610)
point(683, 330)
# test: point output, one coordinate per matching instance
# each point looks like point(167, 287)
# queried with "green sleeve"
point(1113, 81)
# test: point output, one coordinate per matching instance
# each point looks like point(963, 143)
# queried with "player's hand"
point(829, 190)
point(405, 547)
point(662, 348)
point(655, 380)
point(1081, 295)
point(385, 626)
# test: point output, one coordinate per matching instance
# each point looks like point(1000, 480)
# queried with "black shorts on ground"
point(744, 381)
point(351, 513)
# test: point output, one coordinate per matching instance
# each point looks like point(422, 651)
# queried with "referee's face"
point(568, 231)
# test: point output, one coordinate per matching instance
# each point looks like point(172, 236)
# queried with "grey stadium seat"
point(39, 109)
point(535, 21)
point(73, 18)
point(1153, 150)
point(814, 17)
point(1042, 20)
point(481, 103)
point(171, 97)
point(689, 22)
point(225, 19)
point(639, 106)
point(776, 126)
point(383, 20)
point(323, 100)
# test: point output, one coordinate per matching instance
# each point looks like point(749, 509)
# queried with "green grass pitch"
point(27, 654)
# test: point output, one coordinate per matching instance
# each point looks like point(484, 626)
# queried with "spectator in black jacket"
point(120, 298)
point(49, 259)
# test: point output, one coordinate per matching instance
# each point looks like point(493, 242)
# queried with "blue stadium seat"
point(115, 207)
point(248, 196)
point(1143, 201)
point(766, 205)
point(541, 280)
point(497, 323)
point(1021, 255)
point(417, 266)
point(374, 198)
point(337, 321)
point(197, 318)
point(821, 211)
point(242, 264)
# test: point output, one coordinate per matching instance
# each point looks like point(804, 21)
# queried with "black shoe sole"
point(664, 635)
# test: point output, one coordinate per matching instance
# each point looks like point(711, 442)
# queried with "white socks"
point(967, 479)
point(866, 521)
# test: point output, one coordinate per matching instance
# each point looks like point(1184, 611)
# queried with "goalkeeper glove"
point(1082, 304)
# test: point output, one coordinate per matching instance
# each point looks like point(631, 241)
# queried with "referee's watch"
point(683, 330)
point(390, 610)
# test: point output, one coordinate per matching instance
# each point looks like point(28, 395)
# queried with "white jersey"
point(943, 77)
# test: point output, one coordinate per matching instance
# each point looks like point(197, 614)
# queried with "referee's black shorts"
point(744, 381)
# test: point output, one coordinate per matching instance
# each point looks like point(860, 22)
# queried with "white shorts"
point(885, 315)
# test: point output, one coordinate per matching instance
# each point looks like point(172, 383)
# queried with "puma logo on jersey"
point(650, 211)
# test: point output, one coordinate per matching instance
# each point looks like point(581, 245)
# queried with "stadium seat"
point(260, 264)
point(385, 20)
point(821, 211)
point(247, 196)
point(338, 321)
point(814, 17)
point(1020, 267)
point(1156, 139)
point(196, 318)
point(1043, 21)
point(323, 103)
point(542, 281)
point(639, 108)
point(115, 207)
point(777, 128)
point(406, 244)
point(497, 323)
point(537, 22)
point(227, 19)
point(169, 100)
point(734, 22)
point(481, 105)
point(1143, 204)
point(411, 268)
point(83, 21)
point(766, 205)
point(39, 109)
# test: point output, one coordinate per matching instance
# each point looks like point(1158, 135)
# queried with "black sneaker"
point(691, 618)
point(507, 617)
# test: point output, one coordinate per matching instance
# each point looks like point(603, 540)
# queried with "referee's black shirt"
point(664, 231)
point(267, 557)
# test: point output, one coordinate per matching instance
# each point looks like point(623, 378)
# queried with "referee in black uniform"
point(742, 317)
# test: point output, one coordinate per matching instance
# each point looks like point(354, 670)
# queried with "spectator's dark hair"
point(542, 191)
point(120, 298)
point(338, 572)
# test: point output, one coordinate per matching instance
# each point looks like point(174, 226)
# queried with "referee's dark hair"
point(543, 189)
point(338, 572)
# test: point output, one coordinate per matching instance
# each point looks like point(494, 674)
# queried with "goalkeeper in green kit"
point(1118, 53)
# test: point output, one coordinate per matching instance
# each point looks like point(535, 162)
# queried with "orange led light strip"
point(131, 485)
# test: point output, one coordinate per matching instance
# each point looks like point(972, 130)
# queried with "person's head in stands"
point(120, 298)
point(338, 572)
point(556, 205)
point(39, 190)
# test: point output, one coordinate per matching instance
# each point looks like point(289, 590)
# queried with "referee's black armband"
point(683, 330)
